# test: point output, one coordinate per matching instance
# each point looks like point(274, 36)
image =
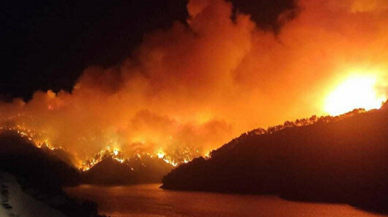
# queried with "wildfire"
point(36, 138)
point(160, 154)
point(122, 157)
point(114, 153)
point(111, 150)
point(356, 92)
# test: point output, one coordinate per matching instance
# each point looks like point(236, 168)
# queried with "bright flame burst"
point(356, 92)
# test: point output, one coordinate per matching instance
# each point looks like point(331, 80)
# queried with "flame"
point(207, 155)
point(355, 92)
point(120, 156)
point(36, 138)
point(219, 77)
point(160, 154)
point(119, 160)
point(115, 154)
point(40, 141)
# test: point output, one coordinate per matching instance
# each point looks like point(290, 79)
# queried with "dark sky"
point(46, 44)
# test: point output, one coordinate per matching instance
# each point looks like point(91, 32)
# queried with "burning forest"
point(188, 89)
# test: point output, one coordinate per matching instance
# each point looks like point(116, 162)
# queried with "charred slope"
point(337, 160)
point(111, 172)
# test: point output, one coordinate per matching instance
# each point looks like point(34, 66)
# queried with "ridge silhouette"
point(341, 159)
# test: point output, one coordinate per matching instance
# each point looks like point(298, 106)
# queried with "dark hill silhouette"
point(138, 170)
point(21, 158)
point(42, 174)
point(149, 169)
point(61, 155)
point(329, 159)
point(109, 172)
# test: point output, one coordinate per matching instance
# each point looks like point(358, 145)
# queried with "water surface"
point(151, 201)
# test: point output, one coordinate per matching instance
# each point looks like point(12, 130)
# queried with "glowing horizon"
point(193, 87)
point(356, 92)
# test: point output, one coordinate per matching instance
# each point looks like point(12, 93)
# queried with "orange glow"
point(193, 87)
point(40, 141)
point(355, 92)
point(115, 154)
point(122, 157)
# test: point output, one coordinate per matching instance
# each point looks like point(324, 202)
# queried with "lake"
point(151, 201)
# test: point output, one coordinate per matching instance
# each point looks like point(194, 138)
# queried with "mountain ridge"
point(341, 159)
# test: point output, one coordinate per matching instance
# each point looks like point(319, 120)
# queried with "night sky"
point(47, 44)
point(184, 77)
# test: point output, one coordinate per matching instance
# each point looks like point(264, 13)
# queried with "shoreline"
point(19, 200)
point(16, 202)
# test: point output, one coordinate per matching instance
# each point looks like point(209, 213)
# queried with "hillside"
point(39, 178)
point(109, 172)
point(137, 171)
point(21, 158)
point(329, 159)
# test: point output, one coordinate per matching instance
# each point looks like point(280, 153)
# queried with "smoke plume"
point(191, 88)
